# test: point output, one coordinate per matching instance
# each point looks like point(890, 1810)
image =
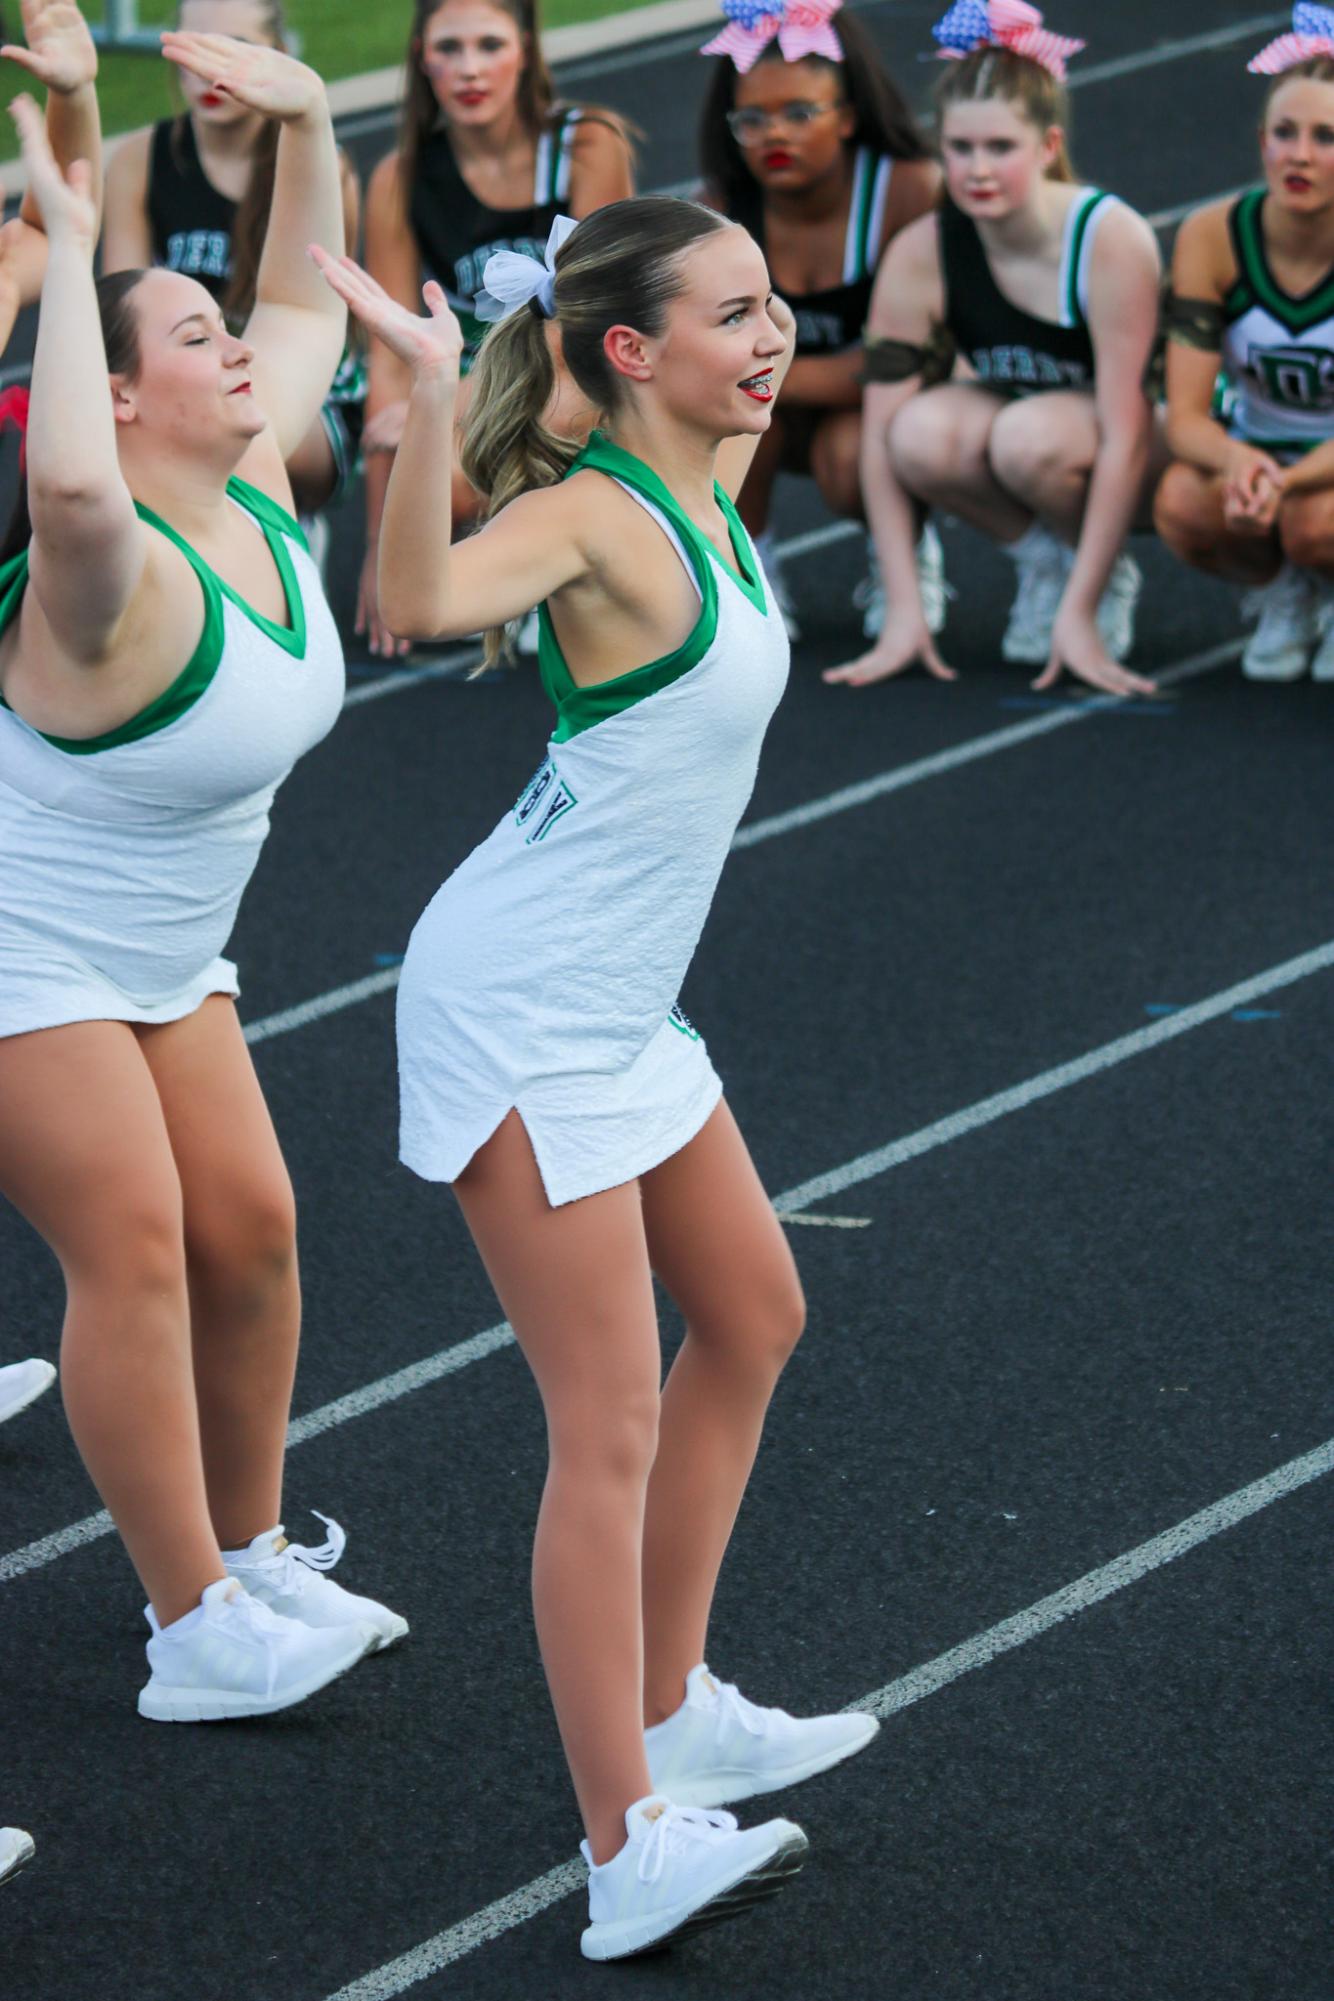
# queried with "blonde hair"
point(1037, 95)
point(620, 267)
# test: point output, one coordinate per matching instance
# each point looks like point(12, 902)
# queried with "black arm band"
point(1199, 323)
point(886, 360)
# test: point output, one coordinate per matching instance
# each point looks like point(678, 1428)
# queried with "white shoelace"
point(674, 1830)
point(282, 1567)
point(734, 1708)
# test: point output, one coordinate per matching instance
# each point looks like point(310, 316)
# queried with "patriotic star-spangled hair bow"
point(1312, 34)
point(801, 27)
point(1003, 24)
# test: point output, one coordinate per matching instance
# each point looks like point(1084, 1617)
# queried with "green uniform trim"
point(198, 672)
point(1074, 312)
point(1296, 314)
point(579, 709)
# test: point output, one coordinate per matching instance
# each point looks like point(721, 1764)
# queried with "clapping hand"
point(60, 51)
point(264, 80)
point(64, 201)
point(431, 343)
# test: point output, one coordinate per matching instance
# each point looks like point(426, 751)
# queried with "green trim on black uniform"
point(1074, 310)
point(1246, 226)
point(182, 693)
point(579, 708)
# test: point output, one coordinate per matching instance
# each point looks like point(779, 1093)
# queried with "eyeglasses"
point(749, 124)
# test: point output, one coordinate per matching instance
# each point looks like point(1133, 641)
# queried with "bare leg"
point(836, 463)
point(720, 1250)
point(240, 1244)
point(576, 1287)
point(1306, 531)
point(939, 444)
point(1188, 514)
point(84, 1155)
point(1042, 450)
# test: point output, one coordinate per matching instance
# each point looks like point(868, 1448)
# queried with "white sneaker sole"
point(13, 1409)
point(728, 1899)
point(1291, 669)
point(163, 1704)
point(19, 1858)
point(399, 1630)
point(727, 1784)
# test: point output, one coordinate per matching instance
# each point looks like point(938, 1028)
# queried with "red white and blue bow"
point(1312, 34)
point(801, 27)
point(1003, 24)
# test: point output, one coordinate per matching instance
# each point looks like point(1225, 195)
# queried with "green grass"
point(339, 37)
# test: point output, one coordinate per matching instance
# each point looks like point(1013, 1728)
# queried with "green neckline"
point(275, 525)
point(602, 454)
point(1295, 313)
point(184, 691)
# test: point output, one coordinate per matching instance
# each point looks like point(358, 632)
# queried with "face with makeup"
point(791, 122)
point(245, 21)
point(473, 56)
point(712, 366)
point(994, 157)
point(191, 391)
point(1297, 145)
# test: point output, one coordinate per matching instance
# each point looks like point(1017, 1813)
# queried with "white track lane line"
point(447, 1947)
point(446, 1361)
point(897, 779)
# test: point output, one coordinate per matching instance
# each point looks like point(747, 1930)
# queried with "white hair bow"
point(511, 278)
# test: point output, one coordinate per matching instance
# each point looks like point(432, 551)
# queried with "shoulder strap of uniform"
point(866, 214)
point(1086, 212)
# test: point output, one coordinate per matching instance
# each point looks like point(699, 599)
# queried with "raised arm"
point(88, 546)
point(59, 53)
point(907, 306)
point(429, 587)
point(298, 324)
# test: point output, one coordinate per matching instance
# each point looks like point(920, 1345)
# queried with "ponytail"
point(620, 267)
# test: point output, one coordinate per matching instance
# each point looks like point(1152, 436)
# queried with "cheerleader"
point(806, 139)
point(546, 1071)
point(1006, 352)
point(192, 193)
point(1250, 371)
point(166, 654)
point(487, 158)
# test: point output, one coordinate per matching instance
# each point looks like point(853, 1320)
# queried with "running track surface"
point(1043, 1336)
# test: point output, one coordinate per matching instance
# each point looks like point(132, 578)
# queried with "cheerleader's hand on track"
point(64, 201)
point(431, 343)
point(1077, 644)
point(264, 80)
point(903, 642)
point(60, 51)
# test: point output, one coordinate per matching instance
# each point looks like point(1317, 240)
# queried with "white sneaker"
point(718, 1748)
point(1043, 568)
point(869, 595)
point(771, 563)
point(679, 1871)
point(16, 1849)
point(1116, 607)
point(1322, 666)
point(231, 1656)
point(21, 1383)
point(290, 1580)
point(1281, 644)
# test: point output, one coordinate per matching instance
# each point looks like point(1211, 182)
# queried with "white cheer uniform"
point(544, 974)
point(125, 855)
point(1278, 349)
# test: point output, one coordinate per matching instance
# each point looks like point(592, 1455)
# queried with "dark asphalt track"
point(1055, 1337)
